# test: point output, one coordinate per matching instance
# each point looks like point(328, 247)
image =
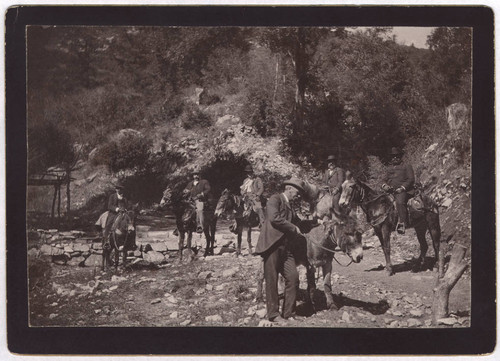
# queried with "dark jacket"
point(280, 222)
point(203, 187)
point(334, 181)
point(400, 175)
point(114, 203)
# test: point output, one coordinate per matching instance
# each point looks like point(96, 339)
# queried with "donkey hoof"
point(389, 271)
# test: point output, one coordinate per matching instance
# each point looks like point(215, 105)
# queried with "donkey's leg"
point(181, 243)
point(213, 226)
point(249, 240)
point(208, 241)
point(311, 286)
point(384, 235)
point(117, 258)
point(239, 238)
point(327, 285)
point(435, 231)
point(260, 280)
point(421, 229)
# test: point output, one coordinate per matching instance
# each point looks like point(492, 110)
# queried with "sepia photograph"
point(249, 177)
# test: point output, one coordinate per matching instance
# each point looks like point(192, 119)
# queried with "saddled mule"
point(234, 204)
point(318, 248)
point(120, 239)
point(320, 200)
point(185, 217)
point(382, 215)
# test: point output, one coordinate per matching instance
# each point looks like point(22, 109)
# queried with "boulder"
point(213, 318)
point(159, 247)
point(76, 261)
point(230, 272)
point(34, 253)
point(413, 322)
point(80, 247)
point(447, 321)
point(154, 257)
point(204, 275)
point(93, 260)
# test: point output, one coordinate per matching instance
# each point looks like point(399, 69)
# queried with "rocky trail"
point(221, 290)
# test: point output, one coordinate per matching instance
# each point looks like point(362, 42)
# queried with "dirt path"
point(221, 290)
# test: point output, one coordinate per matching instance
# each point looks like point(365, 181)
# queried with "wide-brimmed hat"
point(331, 158)
point(248, 168)
point(295, 182)
point(396, 151)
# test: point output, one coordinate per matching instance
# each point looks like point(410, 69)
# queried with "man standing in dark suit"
point(399, 180)
point(199, 190)
point(333, 178)
point(276, 246)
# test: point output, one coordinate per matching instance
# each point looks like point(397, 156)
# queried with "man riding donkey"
point(200, 191)
point(251, 190)
point(333, 179)
point(399, 180)
point(117, 204)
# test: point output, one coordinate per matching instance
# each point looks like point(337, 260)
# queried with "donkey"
point(232, 203)
point(120, 239)
point(185, 216)
point(382, 216)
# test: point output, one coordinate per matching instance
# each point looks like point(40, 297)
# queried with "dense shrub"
point(193, 117)
point(126, 151)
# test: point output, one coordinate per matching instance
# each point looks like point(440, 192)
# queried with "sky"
point(408, 35)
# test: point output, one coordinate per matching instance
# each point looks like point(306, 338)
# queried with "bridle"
point(335, 242)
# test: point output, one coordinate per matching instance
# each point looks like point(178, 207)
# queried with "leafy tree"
point(299, 45)
point(451, 60)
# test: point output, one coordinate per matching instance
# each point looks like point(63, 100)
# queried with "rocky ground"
point(221, 290)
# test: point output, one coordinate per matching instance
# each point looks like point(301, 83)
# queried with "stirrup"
point(199, 229)
point(400, 228)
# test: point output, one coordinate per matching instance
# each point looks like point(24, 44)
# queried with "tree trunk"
point(53, 203)
point(276, 80)
point(300, 62)
point(68, 193)
point(456, 268)
point(59, 200)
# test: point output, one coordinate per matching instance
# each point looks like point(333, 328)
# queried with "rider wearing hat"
point(199, 190)
point(251, 190)
point(399, 180)
point(116, 203)
point(333, 178)
point(277, 240)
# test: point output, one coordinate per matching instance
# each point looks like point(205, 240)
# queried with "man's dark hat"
point(396, 151)
point(295, 182)
point(331, 157)
point(196, 170)
point(248, 168)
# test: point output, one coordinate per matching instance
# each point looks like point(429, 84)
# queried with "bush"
point(128, 150)
point(193, 117)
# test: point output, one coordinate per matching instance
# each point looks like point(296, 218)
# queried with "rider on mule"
point(251, 191)
point(117, 203)
point(399, 180)
point(199, 190)
point(333, 178)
